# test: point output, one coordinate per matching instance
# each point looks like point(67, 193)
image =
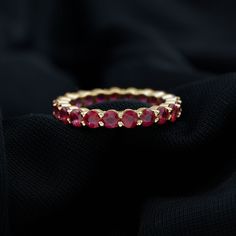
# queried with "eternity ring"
point(72, 108)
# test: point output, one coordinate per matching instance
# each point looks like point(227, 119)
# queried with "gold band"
point(72, 108)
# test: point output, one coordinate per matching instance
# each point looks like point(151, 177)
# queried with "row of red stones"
point(110, 118)
point(89, 100)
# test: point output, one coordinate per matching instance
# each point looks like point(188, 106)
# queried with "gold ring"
point(72, 108)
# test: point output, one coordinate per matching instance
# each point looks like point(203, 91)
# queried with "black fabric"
point(174, 180)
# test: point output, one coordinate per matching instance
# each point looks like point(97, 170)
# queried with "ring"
point(72, 108)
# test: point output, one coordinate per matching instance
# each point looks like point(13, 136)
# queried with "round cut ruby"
point(158, 101)
point(127, 97)
point(62, 115)
point(130, 119)
point(143, 98)
point(114, 97)
point(110, 119)
point(175, 112)
point(147, 117)
point(56, 112)
point(152, 101)
point(100, 98)
point(88, 101)
point(92, 119)
point(163, 115)
point(78, 102)
point(76, 118)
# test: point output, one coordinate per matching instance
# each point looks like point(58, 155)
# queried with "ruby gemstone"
point(100, 98)
point(76, 118)
point(158, 101)
point(62, 115)
point(128, 97)
point(147, 117)
point(114, 97)
point(77, 102)
point(175, 112)
point(142, 98)
point(56, 112)
point(163, 115)
point(110, 119)
point(130, 118)
point(88, 101)
point(91, 119)
point(152, 101)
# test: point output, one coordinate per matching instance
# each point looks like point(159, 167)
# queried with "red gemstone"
point(152, 101)
point(175, 112)
point(110, 119)
point(78, 102)
point(163, 115)
point(114, 97)
point(143, 98)
point(88, 101)
point(100, 98)
point(91, 119)
point(56, 112)
point(76, 118)
point(147, 117)
point(158, 101)
point(127, 97)
point(130, 119)
point(62, 115)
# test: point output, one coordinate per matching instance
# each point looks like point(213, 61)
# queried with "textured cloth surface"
point(174, 180)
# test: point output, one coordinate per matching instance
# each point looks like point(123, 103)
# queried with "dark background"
point(174, 180)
